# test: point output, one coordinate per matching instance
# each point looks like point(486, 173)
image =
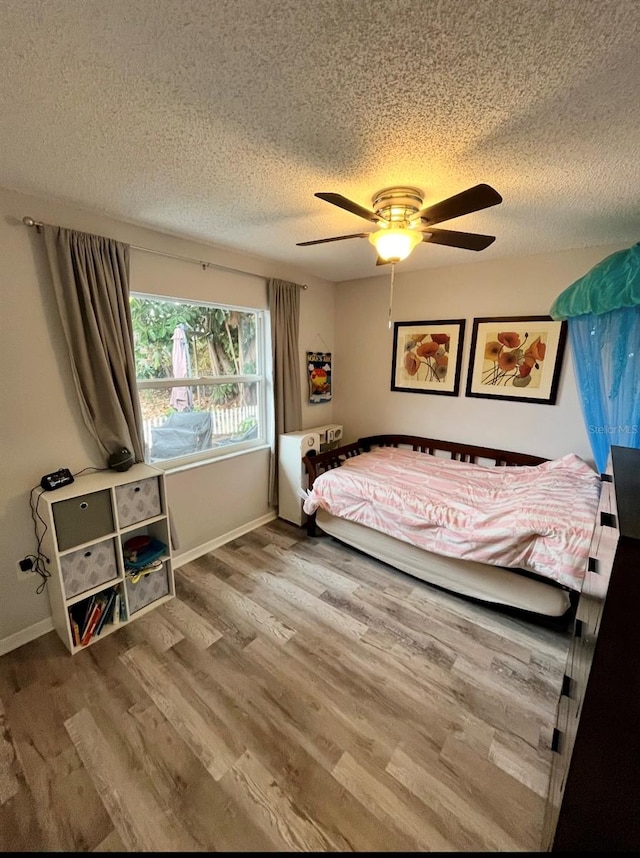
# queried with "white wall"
point(364, 402)
point(41, 428)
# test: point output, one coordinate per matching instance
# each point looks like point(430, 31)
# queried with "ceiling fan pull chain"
point(393, 271)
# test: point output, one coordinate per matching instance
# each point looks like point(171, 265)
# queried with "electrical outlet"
point(24, 567)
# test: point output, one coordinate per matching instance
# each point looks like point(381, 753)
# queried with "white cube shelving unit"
point(87, 524)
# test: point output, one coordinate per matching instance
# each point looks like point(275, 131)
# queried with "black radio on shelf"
point(61, 477)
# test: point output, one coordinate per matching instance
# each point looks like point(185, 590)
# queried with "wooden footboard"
point(317, 463)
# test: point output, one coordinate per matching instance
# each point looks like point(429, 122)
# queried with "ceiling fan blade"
point(350, 206)
point(337, 238)
point(464, 240)
point(471, 200)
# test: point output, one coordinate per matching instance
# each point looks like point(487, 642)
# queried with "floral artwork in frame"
point(427, 356)
point(516, 358)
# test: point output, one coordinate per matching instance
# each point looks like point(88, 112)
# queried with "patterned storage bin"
point(138, 501)
point(87, 567)
point(150, 587)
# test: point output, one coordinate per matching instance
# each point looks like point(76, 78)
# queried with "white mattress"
point(466, 577)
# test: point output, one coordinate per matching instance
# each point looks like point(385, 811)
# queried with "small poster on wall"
point(319, 376)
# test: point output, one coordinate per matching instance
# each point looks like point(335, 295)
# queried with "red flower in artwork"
point(510, 339)
point(411, 363)
point(536, 350)
point(427, 349)
point(441, 339)
point(507, 361)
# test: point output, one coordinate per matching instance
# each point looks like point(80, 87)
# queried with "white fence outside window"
point(226, 421)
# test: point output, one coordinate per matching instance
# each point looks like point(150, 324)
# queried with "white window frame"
point(260, 379)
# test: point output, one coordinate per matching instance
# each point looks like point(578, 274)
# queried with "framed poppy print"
point(517, 358)
point(427, 356)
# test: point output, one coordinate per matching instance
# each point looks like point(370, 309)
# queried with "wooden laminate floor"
point(295, 696)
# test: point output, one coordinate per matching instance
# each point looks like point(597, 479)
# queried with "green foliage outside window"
point(221, 341)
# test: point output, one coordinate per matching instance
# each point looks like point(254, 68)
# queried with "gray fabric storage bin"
point(138, 501)
point(83, 518)
point(87, 567)
point(150, 587)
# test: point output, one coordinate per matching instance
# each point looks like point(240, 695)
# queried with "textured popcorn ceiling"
point(219, 120)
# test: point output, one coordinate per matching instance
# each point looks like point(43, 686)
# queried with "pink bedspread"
point(538, 518)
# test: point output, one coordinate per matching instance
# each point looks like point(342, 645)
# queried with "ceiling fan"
point(403, 223)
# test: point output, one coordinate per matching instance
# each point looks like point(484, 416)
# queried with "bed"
point(503, 528)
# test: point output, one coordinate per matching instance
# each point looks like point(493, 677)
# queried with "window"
point(200, 375)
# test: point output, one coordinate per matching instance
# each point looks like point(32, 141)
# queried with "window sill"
point(173, 466)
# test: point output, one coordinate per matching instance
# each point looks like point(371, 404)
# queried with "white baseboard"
point(194, 553)
point(26, 635)
point(45, 626)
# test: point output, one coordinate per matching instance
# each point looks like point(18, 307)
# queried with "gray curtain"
point(91, 283)
point(284, 308)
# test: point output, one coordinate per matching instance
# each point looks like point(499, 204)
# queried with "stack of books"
point(88, 618)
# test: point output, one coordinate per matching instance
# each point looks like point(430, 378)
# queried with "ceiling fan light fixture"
point(403, 222)
point(395, 243)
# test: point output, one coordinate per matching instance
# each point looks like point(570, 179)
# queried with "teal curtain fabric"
point(610, 285)
point(603, 312)
point(606, 359)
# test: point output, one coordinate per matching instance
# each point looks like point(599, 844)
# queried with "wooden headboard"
point(318, 463)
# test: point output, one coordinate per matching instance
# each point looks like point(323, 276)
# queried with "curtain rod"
point(29, 221)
